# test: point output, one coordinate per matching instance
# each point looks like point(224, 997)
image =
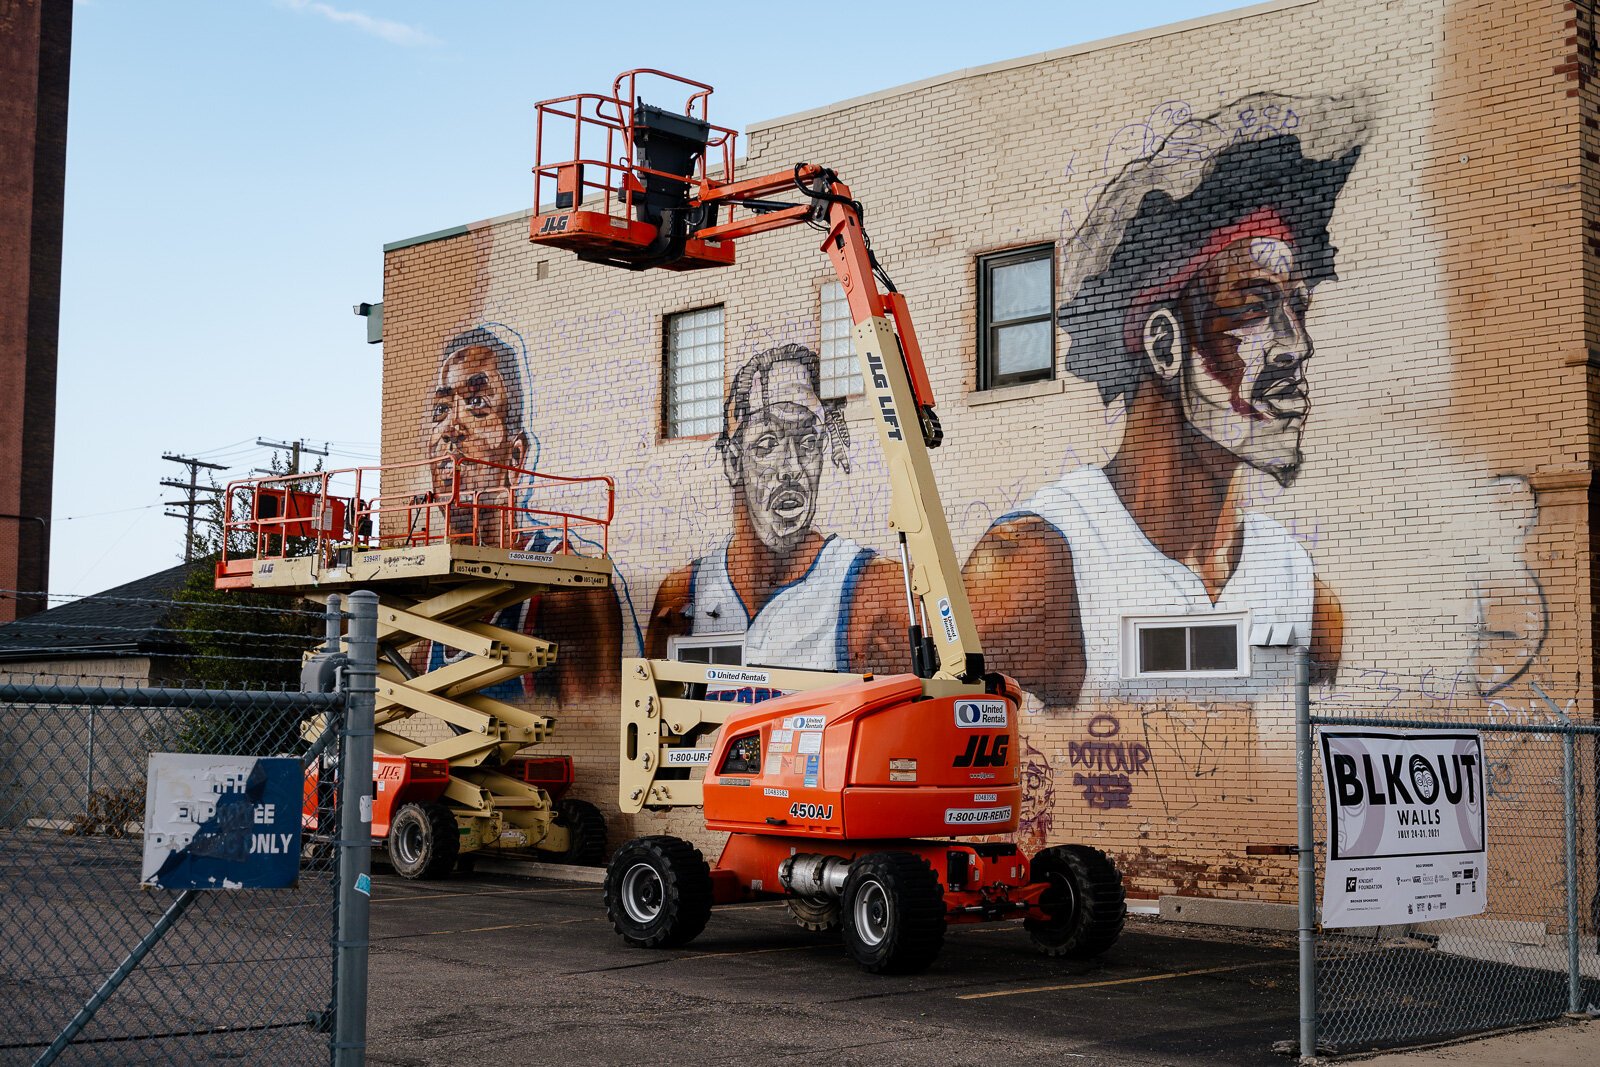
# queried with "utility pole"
point(295, 448)
point(192, 501)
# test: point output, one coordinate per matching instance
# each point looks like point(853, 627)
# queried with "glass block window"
point(1016, 331)
point(693, 373)
point(841, 375)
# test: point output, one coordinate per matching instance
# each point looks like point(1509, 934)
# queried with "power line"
point(102, 598)
point(294, 448)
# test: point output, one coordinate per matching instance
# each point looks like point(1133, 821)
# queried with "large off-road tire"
point(658, 892)
point(892, 913)
point(586, 832)
point(818, 916)
point(423, 841)
point(1084, 906)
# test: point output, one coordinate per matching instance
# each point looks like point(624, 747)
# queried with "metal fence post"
point(88, 770)
point(332, 625)
point(1306, 846)
point(1569, 803)
point(355, 833)
point(1569, 810)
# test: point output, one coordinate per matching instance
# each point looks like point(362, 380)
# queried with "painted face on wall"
point(776, 456)
point(1243, 383)
point(467, 413)
point(1036, 814)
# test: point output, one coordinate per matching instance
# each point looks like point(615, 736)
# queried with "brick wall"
point(1414, 169)
point(35, 50)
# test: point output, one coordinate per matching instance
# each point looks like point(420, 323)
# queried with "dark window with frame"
point(1016, 311)
point(1210, 648)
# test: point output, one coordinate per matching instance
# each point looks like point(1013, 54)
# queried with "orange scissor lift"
point(848, 796)
point(451, 776)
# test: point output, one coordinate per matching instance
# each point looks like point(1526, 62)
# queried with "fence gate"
point(1437, 967)
point(94, 967)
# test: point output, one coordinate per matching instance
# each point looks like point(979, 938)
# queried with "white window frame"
point(677, 644)
point(836, 347)
point(1133, 625)
point(692, 362)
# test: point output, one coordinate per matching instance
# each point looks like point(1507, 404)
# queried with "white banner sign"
point(1406, 835)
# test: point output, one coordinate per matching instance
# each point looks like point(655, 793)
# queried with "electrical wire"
point(37, 623)
point(17, 594)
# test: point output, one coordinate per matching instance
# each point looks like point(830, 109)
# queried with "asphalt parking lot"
point(502, 969)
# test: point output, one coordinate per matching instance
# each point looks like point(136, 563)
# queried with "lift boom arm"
point(633, 187)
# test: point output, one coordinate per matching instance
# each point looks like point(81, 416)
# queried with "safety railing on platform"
point(408, 505)
point(602, 158)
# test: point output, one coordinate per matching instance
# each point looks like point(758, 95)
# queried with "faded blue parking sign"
point(222, 822)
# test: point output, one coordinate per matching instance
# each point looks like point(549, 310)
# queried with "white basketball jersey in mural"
point(1121, 575)
point(805, 622)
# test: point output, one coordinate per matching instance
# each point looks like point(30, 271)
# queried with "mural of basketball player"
point(476, 410)
point(1185, 296)
point(799, 598)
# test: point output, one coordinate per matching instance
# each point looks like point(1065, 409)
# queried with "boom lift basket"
point(619, 173)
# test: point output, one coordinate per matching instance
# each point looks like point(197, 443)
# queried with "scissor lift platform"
point(421, 570)
point(445, 561)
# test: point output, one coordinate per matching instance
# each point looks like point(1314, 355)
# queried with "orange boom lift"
point(847, 795)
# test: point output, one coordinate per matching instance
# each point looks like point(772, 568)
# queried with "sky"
point(235, 168)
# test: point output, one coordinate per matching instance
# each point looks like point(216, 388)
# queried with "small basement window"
point(1205, 646)
point(722, 650)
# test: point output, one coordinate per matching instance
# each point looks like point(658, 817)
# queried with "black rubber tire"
point(892, 913)
point(818, 916)
point(658, 892)
point(1085, 908)
point(423, 841)
point(586, 828)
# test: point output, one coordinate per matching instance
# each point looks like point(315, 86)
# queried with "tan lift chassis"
point(849, 795)
point(450, 774)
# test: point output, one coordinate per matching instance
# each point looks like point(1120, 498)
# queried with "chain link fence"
point(1532, 954)
point(95, 967)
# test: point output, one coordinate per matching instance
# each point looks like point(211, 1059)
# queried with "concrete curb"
point(556, 872)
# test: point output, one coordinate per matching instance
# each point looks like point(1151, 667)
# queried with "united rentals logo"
point(719, 674)
point(972, 714)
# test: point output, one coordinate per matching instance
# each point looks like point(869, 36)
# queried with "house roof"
point(129, 619)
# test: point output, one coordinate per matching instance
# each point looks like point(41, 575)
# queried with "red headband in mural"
point(1208, 182)
point(1263, 223)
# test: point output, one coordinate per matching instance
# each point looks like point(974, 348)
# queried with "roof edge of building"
point(1135, 37)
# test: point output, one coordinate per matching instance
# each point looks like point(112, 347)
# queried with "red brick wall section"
point(35, 54)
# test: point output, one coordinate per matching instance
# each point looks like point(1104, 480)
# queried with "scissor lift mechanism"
point(440, 566)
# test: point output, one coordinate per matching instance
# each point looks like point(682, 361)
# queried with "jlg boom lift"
point(849, 795)
point(450, 775)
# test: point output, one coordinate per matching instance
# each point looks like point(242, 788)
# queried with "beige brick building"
point(1265, 329)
